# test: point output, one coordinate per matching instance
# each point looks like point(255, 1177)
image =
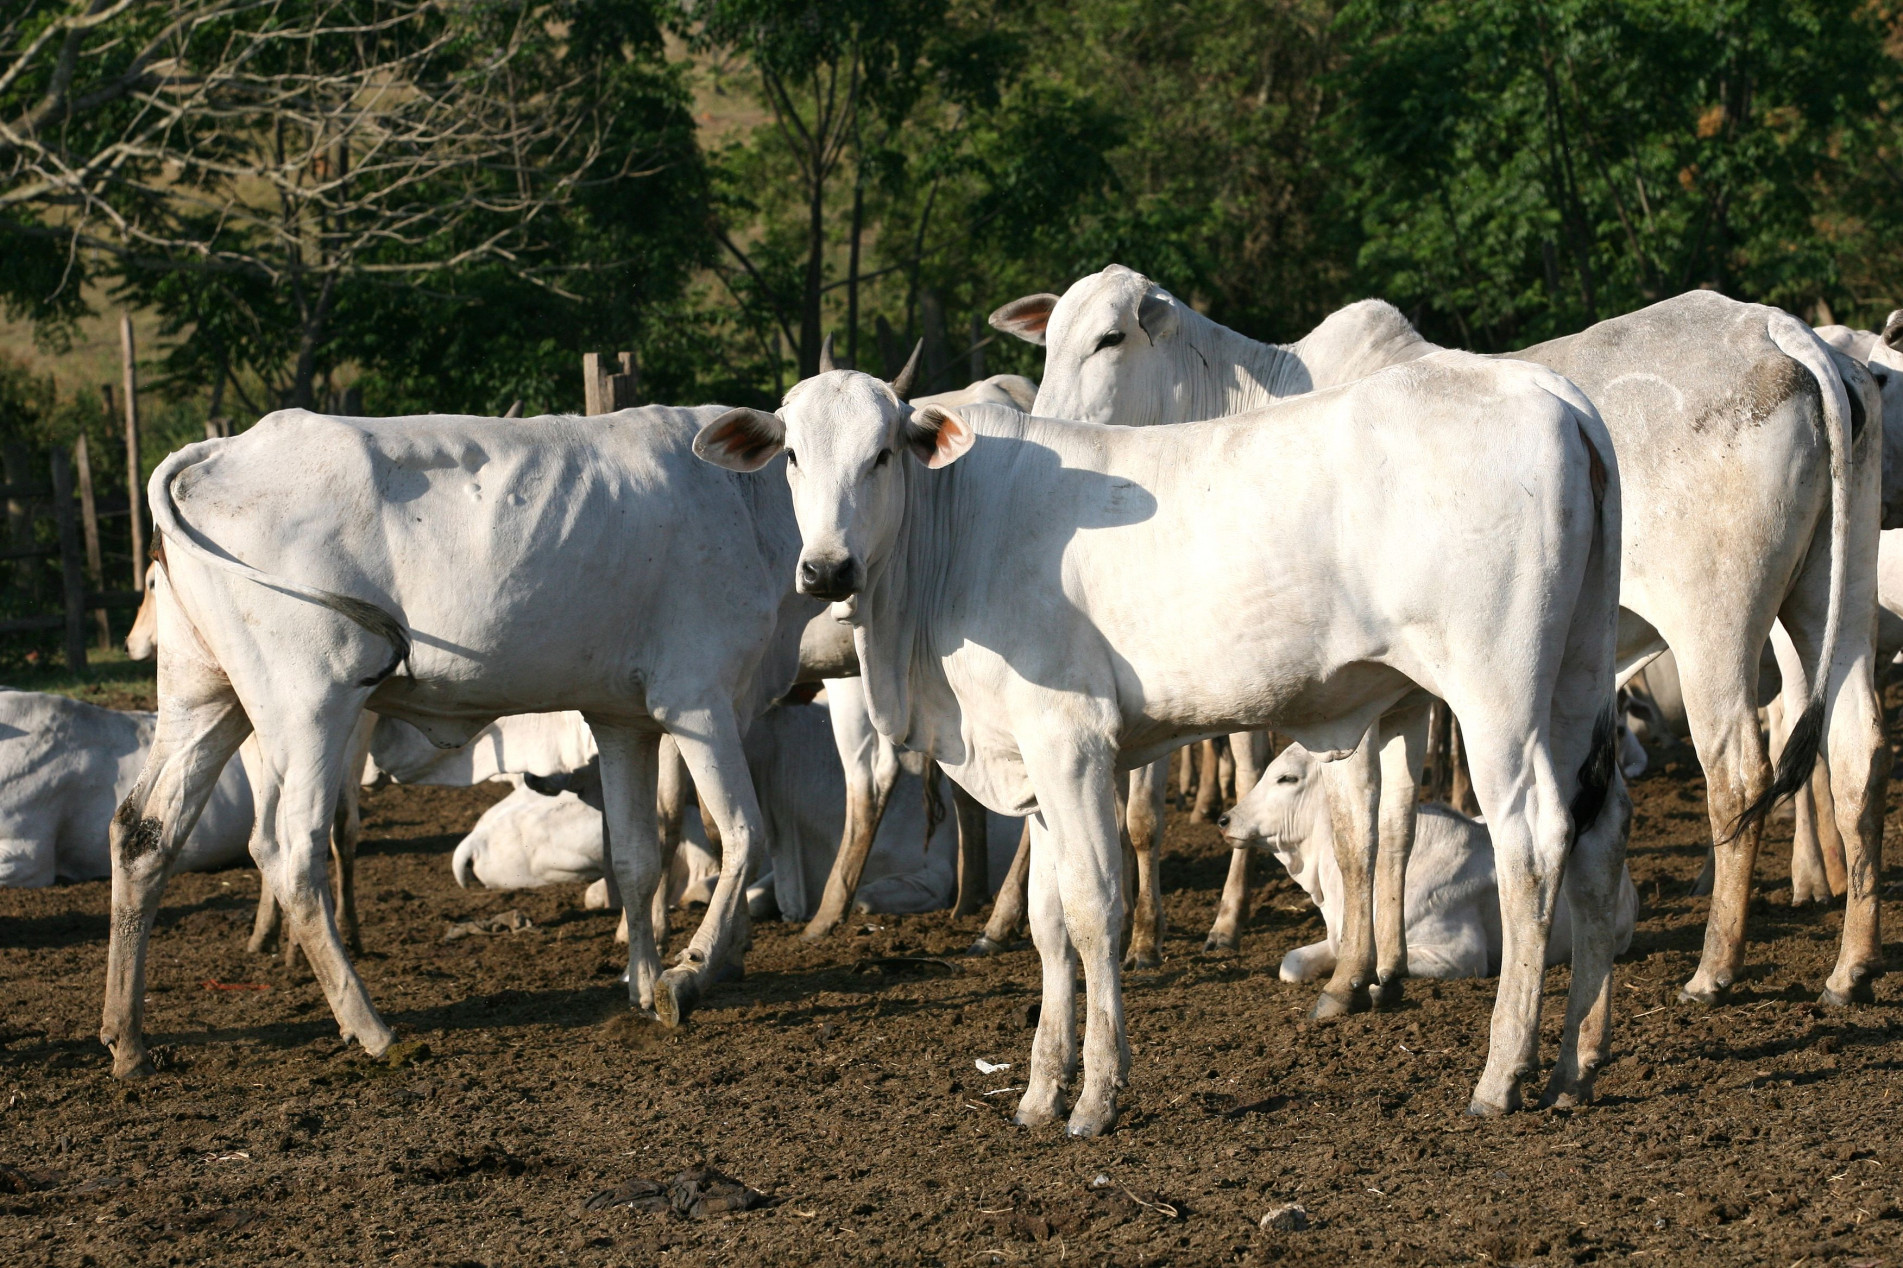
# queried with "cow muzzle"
point(829, 579)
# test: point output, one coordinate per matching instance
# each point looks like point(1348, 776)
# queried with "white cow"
point(987, 556)
point(1751, 496)
point(871, 761)
point(530, 839)
point(64, 765)
point(1453, 899)
point(448, 571)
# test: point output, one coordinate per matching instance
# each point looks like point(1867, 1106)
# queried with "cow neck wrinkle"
point(1224, 372)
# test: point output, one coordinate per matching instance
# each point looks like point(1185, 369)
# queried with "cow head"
point(1886, 366)
point(1286, 814)
point(1111, 344)
point(142, 642)
point(845, 435)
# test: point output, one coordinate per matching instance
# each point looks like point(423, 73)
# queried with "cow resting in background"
point(64, 765)
point(448, 571)
point(985, 557)
point(1453, 898)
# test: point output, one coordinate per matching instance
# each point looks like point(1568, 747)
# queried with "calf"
point(1453, 899)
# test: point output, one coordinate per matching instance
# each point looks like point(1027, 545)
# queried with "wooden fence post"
point(134, 502)
point(89, 522)
point(604, 389)
point(73, 580)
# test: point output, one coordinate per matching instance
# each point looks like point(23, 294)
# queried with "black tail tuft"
point(1596, 772)
point(1793, 771)
point(378, 622)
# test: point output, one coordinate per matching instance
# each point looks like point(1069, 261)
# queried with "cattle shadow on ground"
point(61, 929)
point(564, 1008)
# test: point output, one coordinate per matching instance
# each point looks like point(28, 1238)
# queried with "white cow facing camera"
point(1453, 903)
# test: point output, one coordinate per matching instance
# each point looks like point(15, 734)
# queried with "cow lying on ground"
point(1734, 409)
point(1453, 898)
point(65, 765)
point(987, 556)
point(530, 838)
point(448, 571)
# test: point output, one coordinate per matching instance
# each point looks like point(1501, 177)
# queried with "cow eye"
point(1110, 340)
point(1287, 779)
point(885, 456)
point(791, 461)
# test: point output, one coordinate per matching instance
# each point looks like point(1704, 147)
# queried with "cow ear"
point(1026, 318)
point(1893, 330)
point(1156, 315)
point(937, 436)
point(741, 439)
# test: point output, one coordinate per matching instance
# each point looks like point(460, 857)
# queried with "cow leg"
point(1354, 808)
point(1809, 881)
point(198, 731)
point(1209, 785)
point(1721, 709)
point(1007, 911)
point(1460, 791)
point(709, 741)
point(305, 757)
point(1531, 832)
point(1054, 1048)
point(1076, 792)
point(974, 854)
point(1594, 875)
point(872, 769)
point(267, 924)
point(1225, 935)
point(1859, 759)
point(629, 774)
point(1185, 776)
point(1830, 839)
point(670, 809)
point(347, 831)
point(1144, 819)
point(1403, 751)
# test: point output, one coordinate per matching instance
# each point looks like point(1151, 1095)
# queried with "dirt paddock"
point(839, 1079)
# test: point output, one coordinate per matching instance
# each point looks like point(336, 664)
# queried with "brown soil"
point(1760, 1132)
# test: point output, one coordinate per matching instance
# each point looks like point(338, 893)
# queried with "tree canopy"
point(444, 202)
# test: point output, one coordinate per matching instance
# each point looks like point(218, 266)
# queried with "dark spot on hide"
point(141, 833)
point(1595, 471)
point(1771, 381)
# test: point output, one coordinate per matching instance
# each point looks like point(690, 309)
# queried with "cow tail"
point(169, 528)
point(1796, 341)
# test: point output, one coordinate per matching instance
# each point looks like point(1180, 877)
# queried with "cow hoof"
point(1387, 994)
point(1478, 1108)
point(1143, 960)
point(1329, 1005)
point(1709, 996)
point(1035, 1110)
point(1860, 992)
point(1093, 1121)
point(1219, 944)
point(675, 997)
point(133, 1065)
point(1572, 1095)
point(985, 946)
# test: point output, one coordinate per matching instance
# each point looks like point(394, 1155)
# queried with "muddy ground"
point(1763, 1132)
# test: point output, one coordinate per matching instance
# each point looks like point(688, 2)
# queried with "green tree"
point(1520, 170)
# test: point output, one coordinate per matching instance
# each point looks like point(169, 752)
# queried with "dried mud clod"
point(695, 1194)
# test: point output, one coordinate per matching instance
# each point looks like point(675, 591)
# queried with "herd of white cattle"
point(912, 652)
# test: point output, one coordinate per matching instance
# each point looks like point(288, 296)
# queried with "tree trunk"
point(810, 333)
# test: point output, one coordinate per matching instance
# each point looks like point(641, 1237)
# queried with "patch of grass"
point(110, 679)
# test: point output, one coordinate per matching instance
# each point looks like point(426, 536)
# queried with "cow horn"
point(907, 379)
point(826, 365)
